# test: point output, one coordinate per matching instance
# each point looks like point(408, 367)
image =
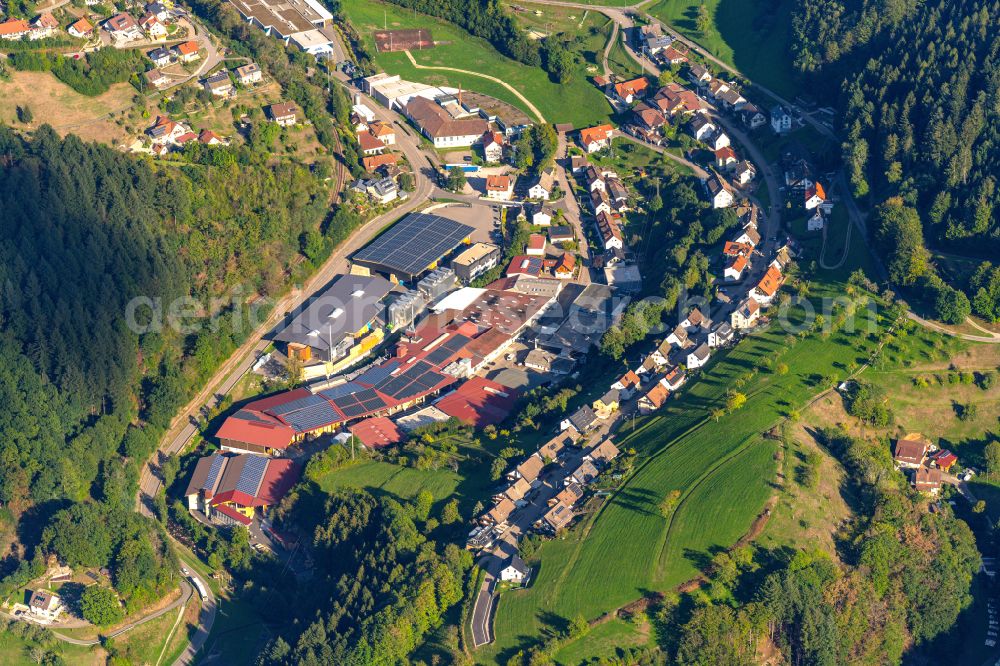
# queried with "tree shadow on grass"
point(636, 499)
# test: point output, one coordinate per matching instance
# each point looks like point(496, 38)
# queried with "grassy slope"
point(752, 35)
point(686, 450)
point(577, 102)
point(684, 444)
point(603, 641)
point(16, 651)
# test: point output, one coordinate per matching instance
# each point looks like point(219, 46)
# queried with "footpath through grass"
point(722, 468)
point(752, 35)
point(577, 102)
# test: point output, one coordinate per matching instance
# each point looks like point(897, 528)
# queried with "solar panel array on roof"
point(249, 415)
point(360, 403)
point(294, 405)
point(447, 349)
point(335, 392)
point(312, 417)
point(377, 373)
point(414, 243)
point(418, 378)
point(252, 473)
point(213, 471)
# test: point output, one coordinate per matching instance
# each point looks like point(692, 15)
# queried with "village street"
point(520, 523)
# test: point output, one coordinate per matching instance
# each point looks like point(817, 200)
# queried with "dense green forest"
point(91, 75)
point(86, 397)
point(380, 584)
point(903, 583)
point(920, 97)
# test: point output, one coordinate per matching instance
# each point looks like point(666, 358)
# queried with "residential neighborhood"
point(502, 333)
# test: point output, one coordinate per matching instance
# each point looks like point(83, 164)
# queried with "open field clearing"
point(752, 35)
point(577, 102)
point(603, 642)
point(723, 470)
point(52, 101)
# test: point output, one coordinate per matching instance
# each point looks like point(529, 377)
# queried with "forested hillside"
point(86, 230)
point(905, 583)
point(380, 583)
point(920, 95)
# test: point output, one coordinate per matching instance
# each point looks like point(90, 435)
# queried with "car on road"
point(185, 571)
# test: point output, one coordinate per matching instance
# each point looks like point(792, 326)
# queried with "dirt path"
point(992, 338)
point(607, 49)
point(531, 107)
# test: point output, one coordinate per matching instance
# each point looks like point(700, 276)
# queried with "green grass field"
point(602, 642)
point(401, 483)
point(686, 450)
point(752, 35)
point(620, 63)
point(577, 102)
point(723, 469)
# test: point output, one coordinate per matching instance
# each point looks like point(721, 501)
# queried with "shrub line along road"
point(184, 426)
point(186, 592)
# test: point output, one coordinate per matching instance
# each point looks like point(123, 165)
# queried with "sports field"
point(752, 35)
point(577, 102)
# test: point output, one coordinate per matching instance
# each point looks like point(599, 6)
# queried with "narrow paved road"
point(615, 26)
point(482, 613)
point(573, 213)
point(186, 592)
point(512, 89)
point(206, 620)
point(184, 426)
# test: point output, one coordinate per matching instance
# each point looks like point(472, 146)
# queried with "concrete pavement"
point(206, 620)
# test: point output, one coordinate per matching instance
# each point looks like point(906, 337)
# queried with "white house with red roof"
point(499, 187)
point(536, 245)
point(14, 29)
point(493, 143)
point(123, 28)
point(596, 138)
point(815, 196)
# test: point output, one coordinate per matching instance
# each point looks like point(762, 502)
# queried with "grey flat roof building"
point(349, 305)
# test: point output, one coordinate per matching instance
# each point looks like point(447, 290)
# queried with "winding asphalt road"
point(186, 592)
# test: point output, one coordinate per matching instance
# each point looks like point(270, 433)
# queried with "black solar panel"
point(364, 395)
point(354, 410)
point(213, 471)
point(414, 243)
point(447, 350)
point(315, 416)
point(248, 415)
point(410, 391)
point(378, 373)
point(294, 405)
point(335, 392)
point(251, 474)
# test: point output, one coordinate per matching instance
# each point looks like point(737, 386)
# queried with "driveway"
point(184, 425)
